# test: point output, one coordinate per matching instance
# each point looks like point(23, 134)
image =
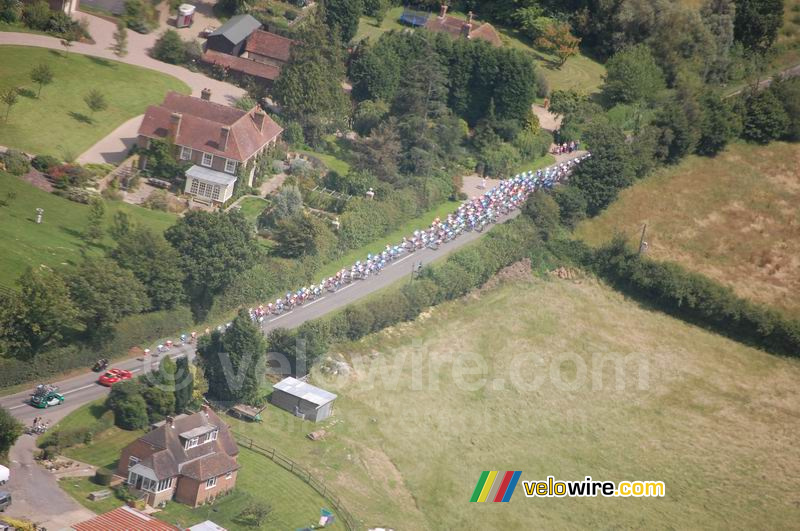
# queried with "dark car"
point(5, 500)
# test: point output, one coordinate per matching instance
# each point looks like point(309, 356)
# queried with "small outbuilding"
point(231, 37)
point(303, 400)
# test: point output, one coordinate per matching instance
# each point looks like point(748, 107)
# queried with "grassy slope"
point(57, 240)
point(128, 90)
point(713, 418)
point(580, 72)
point(734, 218)
point(294, 503)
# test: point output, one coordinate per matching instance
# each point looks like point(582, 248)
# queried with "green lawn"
point(58, 123)
point(251, 207)
point(57, 240)
point(294, 503)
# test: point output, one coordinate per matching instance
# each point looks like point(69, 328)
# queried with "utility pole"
point(642, 243)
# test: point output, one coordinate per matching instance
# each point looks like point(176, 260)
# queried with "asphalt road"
point(84, 388)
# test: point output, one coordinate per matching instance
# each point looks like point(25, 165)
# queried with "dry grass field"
point(415, 425)
point(735, 218)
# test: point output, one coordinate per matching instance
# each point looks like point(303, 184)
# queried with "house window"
point(201, 190)
point(193, 188)
point(211, 483)
point(230, 166)
point(132, 461)
point(229, 475)
point(191, 443)
point(186, 153)
point(164, 484)
point(208, 159)
point(215, 193)
point(212, 436)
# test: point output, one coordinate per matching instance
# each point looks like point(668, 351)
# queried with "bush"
point(10, 11)
point(102, 476)
point(44, 162)
point(170, 48)
point(16, 162)
point(36, 15)
point(131, 414)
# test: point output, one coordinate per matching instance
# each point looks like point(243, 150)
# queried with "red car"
point(113, 376)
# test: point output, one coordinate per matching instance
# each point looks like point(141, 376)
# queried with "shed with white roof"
point(302, 399)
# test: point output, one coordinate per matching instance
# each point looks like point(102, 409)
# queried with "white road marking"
point(79, 389)
point(404, 258)
point(314, 301)
point(17, 407)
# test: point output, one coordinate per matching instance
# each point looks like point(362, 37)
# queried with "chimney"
point(175, 125)
point(443, 11)
point(170, 421)
point(223, 138)
point(205, 94)
point(205, 408)
point(258, 118)
point(466, 29)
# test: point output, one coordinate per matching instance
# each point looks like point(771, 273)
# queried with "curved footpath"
point(36, 493)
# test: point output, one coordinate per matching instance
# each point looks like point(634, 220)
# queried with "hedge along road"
point(82, 389)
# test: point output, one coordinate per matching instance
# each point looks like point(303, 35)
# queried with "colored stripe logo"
point(501, 483)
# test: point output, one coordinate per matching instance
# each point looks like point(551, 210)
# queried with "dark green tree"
point(572, 205)
point(170, 48)
point(788, 92)
point(38, 315)
point(344, 15)
point(679, 127)
point(184, 384)
point(160, 402)
point(161, 161)
point(601, 177)
point(10, 430)
point(214, 249)
point(566, 101)
point(757, 23)
point(296, 236)
point(128, 405)
point(234, 362)
point(155, 263)
point(96, 217)
point(543, 210)
point(96, 101)
point(765, 118)
point(104, 294)
point(719, 125)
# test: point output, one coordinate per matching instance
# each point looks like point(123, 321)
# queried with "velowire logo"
point(495, 486)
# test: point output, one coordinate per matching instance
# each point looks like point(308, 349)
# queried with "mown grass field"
point(709, 417)
point(294, 503)
point(735, 218)
point(58, 122)
point(57, 240)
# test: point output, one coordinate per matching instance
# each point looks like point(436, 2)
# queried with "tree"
point(96, 101)
point(184, 384)
point(128, 405)
point(155, 263)
point(344, 15)
point(10, 430)
point(542, 209)
point(679, 122)
point(572, 205)
point(214, 249)
point(42, 75)
point(757, 23)
point(161, 160)
point(160, 401)
point(295, 236)
point(601, 177)
point(788, 92)
point(368, 115)
point(104, 294)
point(719, 17)
point(9, 97)
point(38, 315)
point(558, 39)
point(765, 118)
point(10, 11)
point(379, 153)
point(287, 202)
point(633, 76)
point(719, 124)
point(169, 48)
point(97, 214)
point(120, 46)
point(234, 362)
point(532, 21)
point(566, 101)
point(121, 225)
point(309, 87)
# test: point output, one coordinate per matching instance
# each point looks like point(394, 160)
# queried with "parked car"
point(159, 183)
point(46, 395)
point(5, 500)
point(5, 473)
point(113, 376)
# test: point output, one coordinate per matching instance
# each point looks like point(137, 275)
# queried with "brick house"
point(219, 141)
point(468, 29)
point(189, 458)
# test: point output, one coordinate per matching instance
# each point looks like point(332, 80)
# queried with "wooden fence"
point(290, 465)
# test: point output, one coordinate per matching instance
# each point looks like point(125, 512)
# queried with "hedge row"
point(689, 296)
point(134, 330)
point(463, 271)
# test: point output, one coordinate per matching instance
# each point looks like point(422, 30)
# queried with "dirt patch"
point(518, 271)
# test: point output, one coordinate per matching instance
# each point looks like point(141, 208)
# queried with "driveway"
point(114, 148)
point(102, 32)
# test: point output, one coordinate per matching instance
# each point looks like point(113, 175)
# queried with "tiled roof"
point(174, 456)
point(269, 45)
point(123, 519)
point(487, 33)
point(201, 126)
point(209, 466)
point(239, 64)
point(237, 28)
point(454, 27)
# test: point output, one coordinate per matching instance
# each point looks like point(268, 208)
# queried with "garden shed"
point(230, 38)
point(302, 399)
